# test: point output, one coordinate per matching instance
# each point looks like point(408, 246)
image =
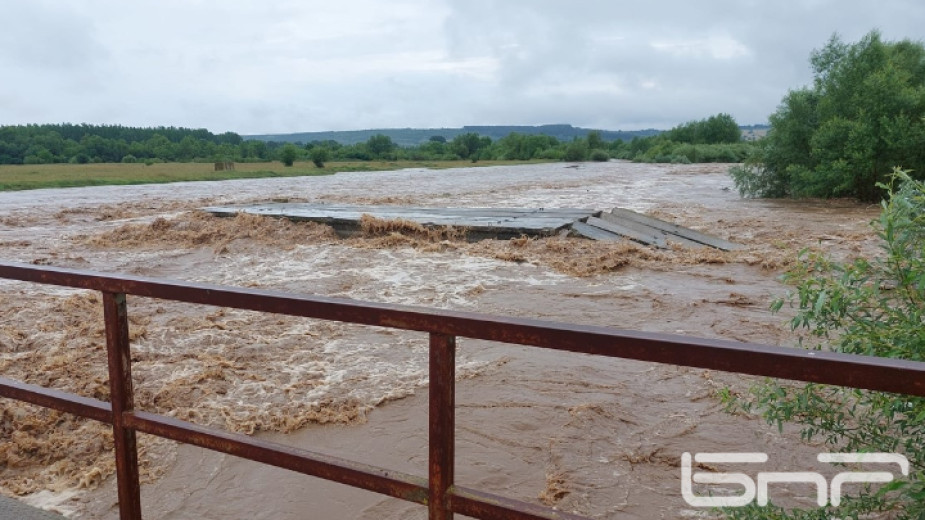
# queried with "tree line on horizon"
point(863, 115)
point(695, 141)
point(405, 137)
point(714, 139)
point(81, 144)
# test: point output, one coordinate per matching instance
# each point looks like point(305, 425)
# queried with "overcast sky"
point(277, 66)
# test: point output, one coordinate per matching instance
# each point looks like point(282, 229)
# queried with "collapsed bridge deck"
point(502, 223)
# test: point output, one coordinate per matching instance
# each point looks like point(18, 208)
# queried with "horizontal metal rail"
point(865, 372)
point(56, 400)
point(438, 491)
point(387, 482)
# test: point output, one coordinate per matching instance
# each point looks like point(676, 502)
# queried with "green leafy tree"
point(38, 154)
point(466, 146)
point(522, 147)
point(841, 137)
point(717, 129)
point(253, 150)
point(110, 143)
point(160, 147)
point(379, 145)
point(187, 149)
point(577, 150)
point(288, 154)
point(873, 307)
point(319, 156)
point(594, 140)
point(714, 139)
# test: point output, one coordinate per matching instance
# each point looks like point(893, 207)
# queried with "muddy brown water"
point(599, 437)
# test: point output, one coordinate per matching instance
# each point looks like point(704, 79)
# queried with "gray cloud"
point(41, 36)
point(281, 66)
point(47, 53)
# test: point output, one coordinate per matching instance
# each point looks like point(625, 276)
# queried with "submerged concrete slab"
point(480, 222)
point(594, 233)
point(649, 237)
point(504, 223)
point(682, 235)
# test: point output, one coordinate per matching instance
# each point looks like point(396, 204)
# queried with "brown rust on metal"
point(487, 506)
point(115, 314)
point(56, 400)
point(438, 492)
point(384, 481)
point(442, 420)
point(865, 372)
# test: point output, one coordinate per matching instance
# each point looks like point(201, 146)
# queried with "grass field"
point(35, 176)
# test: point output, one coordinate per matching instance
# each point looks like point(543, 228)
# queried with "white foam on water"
point(408, 276)
point(54, 502)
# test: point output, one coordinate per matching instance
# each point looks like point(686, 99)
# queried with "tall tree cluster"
point(863, 115)
point(62, 143)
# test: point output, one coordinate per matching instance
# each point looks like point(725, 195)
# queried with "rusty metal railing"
point(438, 491)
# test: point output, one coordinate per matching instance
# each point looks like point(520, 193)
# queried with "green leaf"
point(820, 302)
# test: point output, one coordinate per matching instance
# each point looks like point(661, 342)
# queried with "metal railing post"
point(442, 415)
point(439, 492)
point(115, 314)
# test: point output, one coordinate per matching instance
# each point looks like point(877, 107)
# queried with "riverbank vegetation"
point(870, 307)
point(841, 137)
point(65, 155)
point(858, 131)
point(715, 139)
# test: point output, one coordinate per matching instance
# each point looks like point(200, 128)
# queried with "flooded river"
point(599, 437)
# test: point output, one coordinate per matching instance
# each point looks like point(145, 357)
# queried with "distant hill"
point(416, 136)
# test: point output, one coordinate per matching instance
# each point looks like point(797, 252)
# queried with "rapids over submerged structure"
point(502, 223)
